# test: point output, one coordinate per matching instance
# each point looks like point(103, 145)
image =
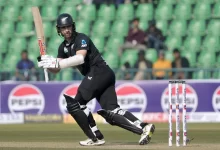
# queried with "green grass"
point(67, 136)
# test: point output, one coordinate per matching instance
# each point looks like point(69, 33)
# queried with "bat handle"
point(46, 75)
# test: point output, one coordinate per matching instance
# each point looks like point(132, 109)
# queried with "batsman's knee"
point(116, 117)
point(109, 114)
point(119, 111)
point(85, 109)
point(72, 104)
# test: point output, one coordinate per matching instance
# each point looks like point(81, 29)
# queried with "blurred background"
point(139, 39)
point(145, 42)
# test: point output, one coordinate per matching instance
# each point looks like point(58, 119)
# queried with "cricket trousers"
point(99, 83)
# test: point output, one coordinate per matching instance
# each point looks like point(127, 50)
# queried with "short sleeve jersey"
point(81, 42)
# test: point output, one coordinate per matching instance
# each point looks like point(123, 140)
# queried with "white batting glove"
point(48, 62)
point(40, 58)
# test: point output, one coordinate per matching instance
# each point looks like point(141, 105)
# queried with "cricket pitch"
point(67, 137)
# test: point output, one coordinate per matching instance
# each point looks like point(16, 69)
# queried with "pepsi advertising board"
point(138, 97)
point(26, 98)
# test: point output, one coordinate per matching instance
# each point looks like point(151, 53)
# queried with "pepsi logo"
point(26, 98)
point(71, 90)
point(191, 99)
point(216, 100)
point(131, 97)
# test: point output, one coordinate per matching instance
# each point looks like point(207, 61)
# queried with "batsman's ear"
point(39, 58)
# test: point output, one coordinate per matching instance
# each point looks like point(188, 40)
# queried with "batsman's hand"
point(40, 58)
point(47, 61)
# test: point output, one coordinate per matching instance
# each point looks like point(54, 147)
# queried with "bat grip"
point(46, 75)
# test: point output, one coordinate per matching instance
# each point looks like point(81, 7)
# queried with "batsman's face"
point(66, 31)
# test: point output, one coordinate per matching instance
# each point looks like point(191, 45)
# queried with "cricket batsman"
point(78, 50)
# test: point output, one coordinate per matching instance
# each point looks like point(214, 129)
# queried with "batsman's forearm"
point(71, 61)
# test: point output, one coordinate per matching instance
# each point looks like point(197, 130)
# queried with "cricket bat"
point(40, 35)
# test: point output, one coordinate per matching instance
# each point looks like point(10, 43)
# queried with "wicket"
point(177, 102)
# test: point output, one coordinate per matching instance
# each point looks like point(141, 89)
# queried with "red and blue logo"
point(191, 98)
point(131, 97)
point(26, 98)
point(216, 100)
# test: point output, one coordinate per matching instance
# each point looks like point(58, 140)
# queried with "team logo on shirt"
point(72, 46)
point(65, 50)
point(84, 44)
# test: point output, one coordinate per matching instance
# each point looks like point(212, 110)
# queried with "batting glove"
point(39, 59)
point(47, 61)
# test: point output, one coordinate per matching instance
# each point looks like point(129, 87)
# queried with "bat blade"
point(40, 35)
point(39, 30)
